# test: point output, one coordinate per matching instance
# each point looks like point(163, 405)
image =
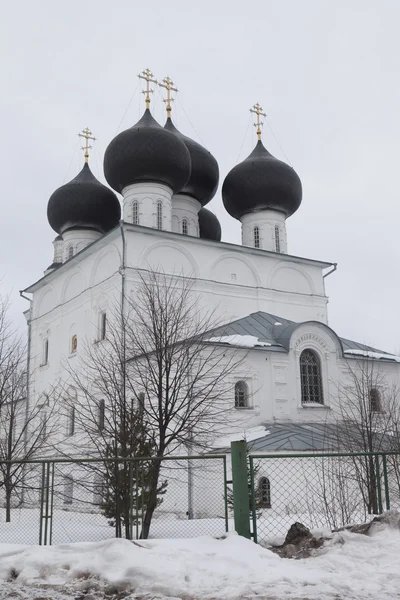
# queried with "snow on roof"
point(370, 354)
point(245, 341)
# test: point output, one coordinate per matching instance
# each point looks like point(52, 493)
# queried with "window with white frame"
point(98, 488)
point(277, 239)
point(45, 352)
point(103, 326)
point(68, 489)
point(135, 212)
point(311, 378)
point(256, 235)
point(70, 251)
point(375, 404)
point(185, 227)
point(241, 394)
point(71, 421)
point(101, 410)
point(159, 215)
point(264, 492)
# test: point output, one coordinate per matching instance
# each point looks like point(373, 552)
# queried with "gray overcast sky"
point(326, 73)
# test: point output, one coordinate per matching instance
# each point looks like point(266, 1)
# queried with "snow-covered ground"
point(351, 566)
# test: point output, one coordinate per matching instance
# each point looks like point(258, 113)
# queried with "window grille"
point(185, 227)
point(159, 215)
point(241, 394)
point(135, 212)
point(70, 251)
point(264, 488)
point(375, 400)
point(101, 414)
point(68, 489)
point(103, 326)
point(256, 233)
point(277, 239)
point(311, 379)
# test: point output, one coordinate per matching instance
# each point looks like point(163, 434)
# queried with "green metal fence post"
point(240, 488)
point(226, 496)
point(253, 501)
point(378, 483)
point(386, 482)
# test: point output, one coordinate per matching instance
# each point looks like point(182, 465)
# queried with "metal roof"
point(276, 331)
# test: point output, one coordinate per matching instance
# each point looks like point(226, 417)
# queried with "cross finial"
point(88, 135)
point(168, 84)
point(258, 110)
point(147, 76)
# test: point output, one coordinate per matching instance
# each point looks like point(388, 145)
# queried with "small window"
point(68, 489)
point(159, 215)
point(101, 414)
point(98, 489)
point(185, 227)
point(277, 239)
point(135, 212)
point(375, 404)
point(42, 433)
point(241, 394)
point(103, 326)
point(70, 253)
point(74, 344)
point(311, 379)
point(45, 358)
point(71, 421)
point(256, 234)
point(264, 493)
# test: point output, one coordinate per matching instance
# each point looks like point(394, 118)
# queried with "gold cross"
point(147, 76)
point(258, 110)
point(168, 84)
point(88, 135)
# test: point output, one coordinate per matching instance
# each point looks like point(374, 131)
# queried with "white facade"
point(233, 280)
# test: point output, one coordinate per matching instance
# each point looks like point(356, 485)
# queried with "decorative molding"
point(311, 337)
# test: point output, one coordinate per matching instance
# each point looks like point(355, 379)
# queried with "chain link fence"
point(320, 490)
point(65, 501)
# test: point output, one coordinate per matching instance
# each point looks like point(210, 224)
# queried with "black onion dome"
point(147, 152)
point(261, 182)
point(83, 203)
point(204, 176)
point(210, 227)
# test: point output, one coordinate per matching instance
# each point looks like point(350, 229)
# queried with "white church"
point(270, 302)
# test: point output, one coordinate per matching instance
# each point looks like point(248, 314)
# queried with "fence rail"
point(64, 500)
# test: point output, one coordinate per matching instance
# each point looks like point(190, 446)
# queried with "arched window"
point(241, 394)
point(311, 379)
point(159, 215)
point(375, 400)
point(135, 212)
point(277, 239)
point(74, 344)
point(264, 493)
point(185, 227)
point(70, 252)
point(256, 234)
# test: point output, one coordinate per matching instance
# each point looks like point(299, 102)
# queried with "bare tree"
point(155, 359)
point(367, 415)
point(24, 428)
